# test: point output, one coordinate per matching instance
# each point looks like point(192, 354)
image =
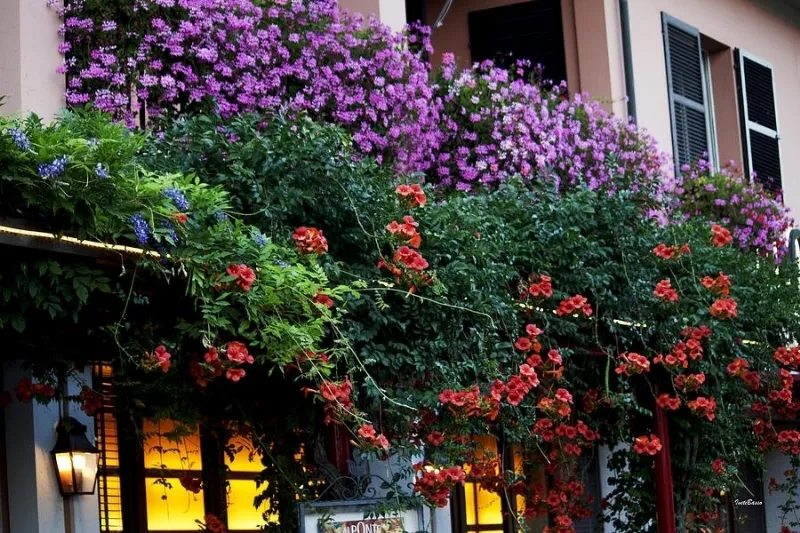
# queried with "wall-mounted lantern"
point(75, 458)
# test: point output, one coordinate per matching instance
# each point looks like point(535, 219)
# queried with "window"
point(474, 509)
point(477, 509)
point(590, 469)
point(529, 30)
point(760, 138)
point(688, 91)
point(168, 452)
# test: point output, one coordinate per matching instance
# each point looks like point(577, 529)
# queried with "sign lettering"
point(381, 525)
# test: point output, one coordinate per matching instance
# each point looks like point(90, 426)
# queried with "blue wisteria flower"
point(92, 143)
point(259, 238)
point(54, 168)
point(221, 216)
point(177, 198)
point(20, 139)
point(140, 228)
point(101, 170)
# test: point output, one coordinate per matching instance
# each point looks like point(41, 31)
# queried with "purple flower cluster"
point(462, 129)
point(755, 217)
point(500, 125)
point(177, 198)
point(140, 227)
point(20, 139)
point(53, 169)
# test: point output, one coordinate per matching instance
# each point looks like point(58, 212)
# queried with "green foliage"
point(400, 347)
point(277, 318)
point(460, 331)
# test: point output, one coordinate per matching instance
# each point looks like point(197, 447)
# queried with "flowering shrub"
point(466, 130)
point(500, 125)
point(447, 348)
point(757, 217)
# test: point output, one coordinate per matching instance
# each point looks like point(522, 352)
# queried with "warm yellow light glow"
point(64, 465)
point(245, 456)
point(111, 511)
point(483, 507)
point(174, 509)
point(242, 515)
point(164, 449)
point(79, 461)
point(63, 462)
point(490, 507)
point(469, 497)
point(107, 440)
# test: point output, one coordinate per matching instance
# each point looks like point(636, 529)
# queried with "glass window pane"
point(242, 515)
point(490, 508)
point(469, 498)
point(172, 509)
point(245, 456)
point(170, 446)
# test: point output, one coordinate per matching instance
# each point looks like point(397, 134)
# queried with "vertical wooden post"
point(665, 503)
point(338, 447)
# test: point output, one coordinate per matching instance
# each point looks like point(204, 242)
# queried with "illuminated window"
point(145, 480)
point(171, 450)
point(244, 465)
point(477, 509)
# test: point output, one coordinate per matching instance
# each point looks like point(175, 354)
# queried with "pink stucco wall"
point(769, 30)
point(390, 12)
point(29, 42)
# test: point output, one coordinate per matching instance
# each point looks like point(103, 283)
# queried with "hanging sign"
point(358, 517)
point(380, 525)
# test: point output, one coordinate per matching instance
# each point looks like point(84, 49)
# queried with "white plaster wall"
point(35, 504)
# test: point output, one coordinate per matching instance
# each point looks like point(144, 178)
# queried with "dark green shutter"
point(762, 153)
point(686, 91)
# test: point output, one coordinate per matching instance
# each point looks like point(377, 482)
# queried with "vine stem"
point(431, 300)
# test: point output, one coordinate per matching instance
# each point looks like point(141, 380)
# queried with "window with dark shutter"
point(762, 152)
point(685, 83)
point(529, 30)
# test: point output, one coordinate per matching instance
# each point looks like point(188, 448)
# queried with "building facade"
point(715, 79)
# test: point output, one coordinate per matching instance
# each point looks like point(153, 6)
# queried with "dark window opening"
point(530, 30)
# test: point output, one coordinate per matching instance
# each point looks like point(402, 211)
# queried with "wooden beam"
point(14, 232)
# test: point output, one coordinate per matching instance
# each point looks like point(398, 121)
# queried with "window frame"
point(711, 122)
